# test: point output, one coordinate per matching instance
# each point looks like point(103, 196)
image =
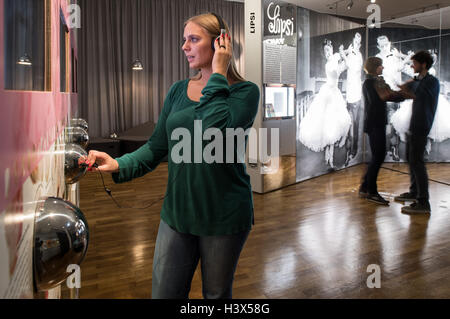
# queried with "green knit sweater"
point(202, 198)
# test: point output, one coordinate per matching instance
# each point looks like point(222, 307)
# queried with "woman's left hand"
point(222, 55)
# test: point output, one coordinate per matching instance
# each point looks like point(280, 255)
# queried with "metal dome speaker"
point(61, 237)
point(74, 159)
point(79, 123)
point(77, 135)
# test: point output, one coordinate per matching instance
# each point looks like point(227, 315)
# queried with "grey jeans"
point(176, 258)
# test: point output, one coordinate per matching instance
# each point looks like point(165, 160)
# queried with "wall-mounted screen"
point(279, 102)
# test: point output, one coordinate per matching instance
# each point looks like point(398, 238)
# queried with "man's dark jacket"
point(424, 106)
point(375, 113)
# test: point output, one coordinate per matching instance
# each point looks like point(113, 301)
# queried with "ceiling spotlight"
point(373, 1)
point(350, 5)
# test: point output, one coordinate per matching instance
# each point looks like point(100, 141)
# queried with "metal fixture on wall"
point(79, 123)
point(61, 237)
point(74, 158)
point(77, 135)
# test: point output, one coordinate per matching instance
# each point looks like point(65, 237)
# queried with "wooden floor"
point(311, 240)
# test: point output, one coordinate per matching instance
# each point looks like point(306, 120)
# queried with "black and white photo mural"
point(396, 45)
point(329, 114)
point(329, 93)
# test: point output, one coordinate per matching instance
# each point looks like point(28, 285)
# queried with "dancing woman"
point(376, 92)
point(327, 120)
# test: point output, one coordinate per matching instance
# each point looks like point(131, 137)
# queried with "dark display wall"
point(329, 109)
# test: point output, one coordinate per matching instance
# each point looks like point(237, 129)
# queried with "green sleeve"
point(220, 108)
point(147, 157)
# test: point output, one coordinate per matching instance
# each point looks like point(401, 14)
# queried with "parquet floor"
point(311, 240)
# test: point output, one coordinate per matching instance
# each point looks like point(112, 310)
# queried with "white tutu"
point(440, 130)
point(326, 121)
point(401, 119)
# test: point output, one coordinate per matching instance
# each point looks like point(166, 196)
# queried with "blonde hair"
point(372, 64)
point(211, 25)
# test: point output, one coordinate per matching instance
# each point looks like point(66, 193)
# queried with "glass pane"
point(442, 123)
point(25, 45)
point(396, 42)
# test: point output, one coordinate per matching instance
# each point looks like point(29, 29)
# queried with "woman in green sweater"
point(207, 212)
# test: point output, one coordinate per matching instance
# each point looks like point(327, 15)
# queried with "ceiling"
point(420, 12)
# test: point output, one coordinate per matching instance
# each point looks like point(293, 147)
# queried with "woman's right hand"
point(222, 54)
point(105, 162)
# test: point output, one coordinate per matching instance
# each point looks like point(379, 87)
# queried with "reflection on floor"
point(315, 239)
point(281, 174)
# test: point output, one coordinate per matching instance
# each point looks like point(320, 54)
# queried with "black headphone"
point(222, 27)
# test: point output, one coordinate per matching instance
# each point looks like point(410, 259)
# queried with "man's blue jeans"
point(176, 258)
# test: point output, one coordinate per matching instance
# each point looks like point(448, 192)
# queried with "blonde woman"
point(207, 213)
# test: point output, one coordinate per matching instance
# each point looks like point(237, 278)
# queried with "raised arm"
point(222, 108)
point(386, 94)
point(343, 53)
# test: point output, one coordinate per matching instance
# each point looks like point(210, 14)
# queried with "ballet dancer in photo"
point(395, 63)
point(327, 121)
point(354, 63)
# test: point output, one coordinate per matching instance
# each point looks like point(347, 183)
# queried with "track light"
point(350, 5)
point(333, 6)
